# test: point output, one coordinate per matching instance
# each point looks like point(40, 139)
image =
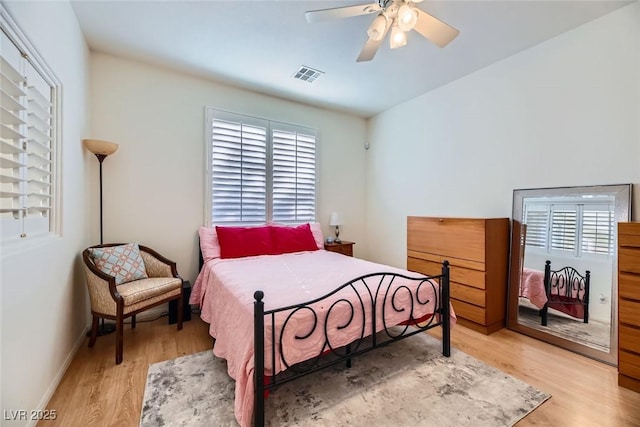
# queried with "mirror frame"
point(622, 208)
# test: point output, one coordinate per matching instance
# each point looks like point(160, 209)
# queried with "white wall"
point(153, 184)
point(43, 310)
point(563, 113)
point(456, 151)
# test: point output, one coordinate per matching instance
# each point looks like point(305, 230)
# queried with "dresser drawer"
point(344, 247)
point(628, 234)
point(344, 250)
point(465, 276)
point(629, 364)
point(629, 286)
point(468, 294)
point(629, 312)
point(429, 268)
point(629, 260)
point(449, 237)
point(629, 338)
point(468, 277)
point(469, 311)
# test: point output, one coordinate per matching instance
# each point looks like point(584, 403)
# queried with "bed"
point(565, 290)
point(277, 317)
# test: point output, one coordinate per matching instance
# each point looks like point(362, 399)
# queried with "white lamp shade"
point(398, 37)
point(335, 219)
point(407, 17)
point(97, 146)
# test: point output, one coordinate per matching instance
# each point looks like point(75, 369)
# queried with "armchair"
point(116, 300)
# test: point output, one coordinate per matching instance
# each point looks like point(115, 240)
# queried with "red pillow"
point(238, 242)
point(293, 239)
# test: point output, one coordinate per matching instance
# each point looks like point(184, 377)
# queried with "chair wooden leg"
point(94, 331)
point(133, 321)
point(119, 339)
point(180, 310)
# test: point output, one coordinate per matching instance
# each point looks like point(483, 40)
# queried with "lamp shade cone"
point(97, 146)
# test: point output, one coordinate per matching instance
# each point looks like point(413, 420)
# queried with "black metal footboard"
point(377, 295)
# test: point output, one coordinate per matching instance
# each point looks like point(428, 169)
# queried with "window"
point(28, 140)
point(574, 228)
point(259, 170)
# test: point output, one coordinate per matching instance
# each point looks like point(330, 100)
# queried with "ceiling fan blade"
point(434, 29)
point(341, 12)
point(369, 50)
point(371, 46)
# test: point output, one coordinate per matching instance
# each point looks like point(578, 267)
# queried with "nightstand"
point(186, 310)
point(344, 247)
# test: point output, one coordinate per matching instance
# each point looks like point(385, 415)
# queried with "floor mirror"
point(563, 275)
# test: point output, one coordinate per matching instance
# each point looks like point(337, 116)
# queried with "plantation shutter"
point(259, 170)
point(571, 226)
point(294, 174)
point(40, 166)
point(597, 229)
point(26, 146)
point(563, 227)
point(537, 220)
point(238, 169)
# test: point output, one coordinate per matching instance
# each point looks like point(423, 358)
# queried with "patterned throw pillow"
point(122, 262)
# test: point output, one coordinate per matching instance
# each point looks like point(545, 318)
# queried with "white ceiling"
point(259, 45)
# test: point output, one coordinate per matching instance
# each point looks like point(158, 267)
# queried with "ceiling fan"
point(400, 16)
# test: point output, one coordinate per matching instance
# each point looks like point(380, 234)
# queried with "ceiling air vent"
point(307, 74)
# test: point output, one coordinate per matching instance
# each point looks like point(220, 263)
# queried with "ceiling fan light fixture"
point(397, 17)
point(398, 38)
point(377, 28)
point(407, 17)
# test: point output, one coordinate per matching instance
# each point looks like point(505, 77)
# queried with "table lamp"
point(336, 221)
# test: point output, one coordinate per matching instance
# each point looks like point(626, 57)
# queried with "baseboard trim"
point(58, 378)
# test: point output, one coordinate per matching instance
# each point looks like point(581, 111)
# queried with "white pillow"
point(316, 230)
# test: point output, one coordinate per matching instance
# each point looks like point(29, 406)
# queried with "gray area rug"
point(408, 383)
point(594, 334)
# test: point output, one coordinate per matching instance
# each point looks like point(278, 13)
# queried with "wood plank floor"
point(96, 392)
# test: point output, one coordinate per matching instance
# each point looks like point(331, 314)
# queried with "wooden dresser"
point(478, 253)
point(629, 305)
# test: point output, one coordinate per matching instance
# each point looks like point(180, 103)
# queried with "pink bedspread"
point(532, 287)
point(224, 290)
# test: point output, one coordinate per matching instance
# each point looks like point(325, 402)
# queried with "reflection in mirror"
point(563, 266)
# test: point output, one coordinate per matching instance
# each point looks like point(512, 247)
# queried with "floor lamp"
point(101, 149)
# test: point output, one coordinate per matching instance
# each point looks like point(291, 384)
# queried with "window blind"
point(563, 229)
point(27, 161)
point(294, 175)
point(260, 170)
point(537, 221)
point(576, 227)
point(597, 230)
point(239, 172)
